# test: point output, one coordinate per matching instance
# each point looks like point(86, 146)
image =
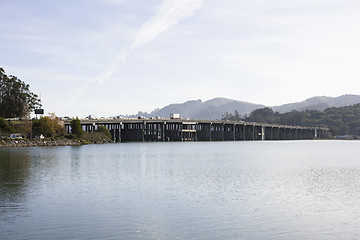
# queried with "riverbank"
point(7, 143)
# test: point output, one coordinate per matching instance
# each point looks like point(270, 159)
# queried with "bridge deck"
point(125, 130)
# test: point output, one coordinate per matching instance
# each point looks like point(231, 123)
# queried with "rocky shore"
point(45, 142)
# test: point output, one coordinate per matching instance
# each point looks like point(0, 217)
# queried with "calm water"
point(183, 190)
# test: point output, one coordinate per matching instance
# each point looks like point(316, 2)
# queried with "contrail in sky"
point(169, 13)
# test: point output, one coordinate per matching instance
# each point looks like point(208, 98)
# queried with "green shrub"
point(76, 127)
point(103, 129)
point(5, 126)
point(47, 127)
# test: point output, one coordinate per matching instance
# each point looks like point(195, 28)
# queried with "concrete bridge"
point(140, 130)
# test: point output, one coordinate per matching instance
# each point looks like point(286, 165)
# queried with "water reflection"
point(14, 177)
point(14, 181)
point(75, 162)
point(232, 190)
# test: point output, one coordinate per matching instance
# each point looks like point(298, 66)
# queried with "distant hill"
point(344, 122)
point(197, 109)
point(319, 103)
point(215, 108)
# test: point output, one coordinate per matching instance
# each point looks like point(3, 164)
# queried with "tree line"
point(16, 99)
point(16, 104)
point(341, 120)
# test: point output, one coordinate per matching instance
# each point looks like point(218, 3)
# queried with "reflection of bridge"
point(127, 130)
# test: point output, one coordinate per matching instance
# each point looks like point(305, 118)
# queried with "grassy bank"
point(52, 129)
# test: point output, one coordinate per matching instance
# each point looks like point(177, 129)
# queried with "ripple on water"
point(225, 190)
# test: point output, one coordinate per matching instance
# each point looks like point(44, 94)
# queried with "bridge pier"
point(229, 132)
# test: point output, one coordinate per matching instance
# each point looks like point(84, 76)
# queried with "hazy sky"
point(110, 57)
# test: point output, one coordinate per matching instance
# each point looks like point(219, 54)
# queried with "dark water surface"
point(182, 190)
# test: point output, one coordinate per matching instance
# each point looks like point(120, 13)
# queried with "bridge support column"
point(222, 129)
point(119, 132)
point(143, 129)
point(244, 132)
point(234, 129)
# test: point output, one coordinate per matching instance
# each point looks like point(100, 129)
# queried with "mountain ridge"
point(214, 108)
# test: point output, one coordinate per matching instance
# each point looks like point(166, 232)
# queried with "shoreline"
point(11, 143)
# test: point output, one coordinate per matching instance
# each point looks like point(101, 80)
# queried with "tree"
point(5, 126)
point(227, 116)
point(341, 121)
point(48, 127)
point(231, 117)
point(262, 115)
point(237, 116)
point(293, 118)
point(104, 130)
point(16, 99)
point(76, 127)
